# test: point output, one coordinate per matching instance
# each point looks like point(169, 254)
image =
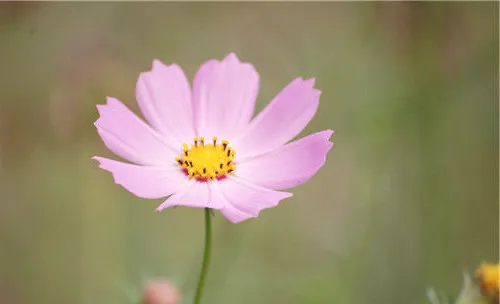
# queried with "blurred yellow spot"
point(205, 161)
point(488, 278)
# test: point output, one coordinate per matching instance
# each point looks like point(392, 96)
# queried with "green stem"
point(206, 256)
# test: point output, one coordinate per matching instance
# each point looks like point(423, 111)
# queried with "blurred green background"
point(408, 198)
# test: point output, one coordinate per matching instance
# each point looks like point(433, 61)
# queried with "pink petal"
point(224, 95)
point(290, 165)
point(144, 181)
point(231, 213)
point(129, 137)
point(164, 97)
point(244, 200)
point(285, 116)
point(194, 194)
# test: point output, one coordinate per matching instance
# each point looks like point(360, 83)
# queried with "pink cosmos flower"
point(201, 147)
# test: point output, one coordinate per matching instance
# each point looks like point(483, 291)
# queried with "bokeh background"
point(407, 199)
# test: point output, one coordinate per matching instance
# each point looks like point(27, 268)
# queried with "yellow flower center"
point(205, 161)
point(488, 277)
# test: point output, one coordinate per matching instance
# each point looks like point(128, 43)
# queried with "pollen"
point(488, 278)
point(207, 160)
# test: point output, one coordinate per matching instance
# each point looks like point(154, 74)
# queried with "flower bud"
point(160, 291)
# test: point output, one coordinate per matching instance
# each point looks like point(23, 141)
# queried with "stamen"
point(206, 162)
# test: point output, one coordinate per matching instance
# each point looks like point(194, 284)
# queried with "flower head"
point(201, 147)
point(489, 280)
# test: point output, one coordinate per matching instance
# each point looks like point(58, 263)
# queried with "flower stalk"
point(206, 256)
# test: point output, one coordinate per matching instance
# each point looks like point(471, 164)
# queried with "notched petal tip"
point(234, 60)
point(232, 57)
point(283, 195)
point(300, 84)
point(102, 107)
point(286, 195)
point(111, 102)
point(99, 161)
point(101, 110)
point(310, 81)
point(158, 64)
point(329, 133)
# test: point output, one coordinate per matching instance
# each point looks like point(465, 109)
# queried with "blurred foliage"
point(407, 200)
